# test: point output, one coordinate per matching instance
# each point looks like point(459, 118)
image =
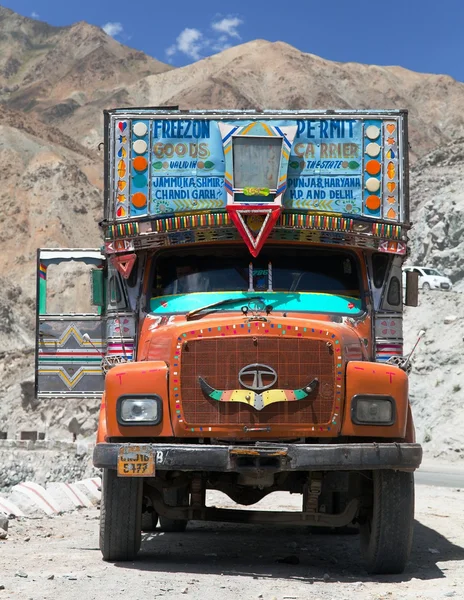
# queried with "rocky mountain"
point(52, 71)
point(261, 74)
point(437, 198)
point(437, 378)
point(55, 83)
point(68, 75)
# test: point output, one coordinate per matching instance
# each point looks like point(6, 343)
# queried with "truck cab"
point(247, 336)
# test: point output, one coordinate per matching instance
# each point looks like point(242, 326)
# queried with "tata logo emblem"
point(257, 377)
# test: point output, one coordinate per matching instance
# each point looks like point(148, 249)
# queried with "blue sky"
point(421, 35)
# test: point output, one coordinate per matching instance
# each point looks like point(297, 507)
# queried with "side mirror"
point(98, 287)
point(412, 289)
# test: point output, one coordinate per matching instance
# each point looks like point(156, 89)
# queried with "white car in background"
point(430, 278)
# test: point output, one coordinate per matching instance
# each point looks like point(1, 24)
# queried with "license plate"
point(136, 461)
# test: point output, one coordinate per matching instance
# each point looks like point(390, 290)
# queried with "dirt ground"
point(58, 558)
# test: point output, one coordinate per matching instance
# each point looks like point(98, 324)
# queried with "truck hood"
point(216, 364)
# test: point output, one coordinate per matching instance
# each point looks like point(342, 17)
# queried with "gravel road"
point(58, 558)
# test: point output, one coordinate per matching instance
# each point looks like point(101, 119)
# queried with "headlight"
point(373, 410)
point(139, 410)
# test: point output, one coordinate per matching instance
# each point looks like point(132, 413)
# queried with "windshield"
point(432, 272)
point(281, 273)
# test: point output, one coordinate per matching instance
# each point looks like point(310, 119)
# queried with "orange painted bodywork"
point(133, 379)
point(157, 371)
point(102, 430)
point(160, 341)
point(410, 436)
point(376, 379)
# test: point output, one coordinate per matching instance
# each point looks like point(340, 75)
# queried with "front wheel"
point(120, 516)
point(386, 524)
point(426, 287)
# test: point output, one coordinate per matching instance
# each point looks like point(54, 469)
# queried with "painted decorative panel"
point(346, 165)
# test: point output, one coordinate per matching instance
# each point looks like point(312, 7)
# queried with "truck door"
point(70, 325)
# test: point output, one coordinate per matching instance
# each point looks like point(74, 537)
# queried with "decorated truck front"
point(249, 323)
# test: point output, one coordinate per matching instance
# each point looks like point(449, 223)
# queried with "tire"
point(387, 525)
point(175, 497)
point(120, 516)
point(426, 287)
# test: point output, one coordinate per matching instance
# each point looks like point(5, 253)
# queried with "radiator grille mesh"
point(218, 361)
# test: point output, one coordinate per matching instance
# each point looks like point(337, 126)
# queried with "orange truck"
point(246, 329)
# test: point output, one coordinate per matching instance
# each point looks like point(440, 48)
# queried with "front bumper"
point(271, 457)
point(442, 288)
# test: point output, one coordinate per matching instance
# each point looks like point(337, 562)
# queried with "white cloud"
point(112, 29)
point(228, 26)
point(194, 43)
point(34, 15)
point(190, 42)
point(171, 50)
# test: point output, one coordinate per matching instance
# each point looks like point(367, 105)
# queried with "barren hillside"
point(54, 84)
point(41, 65)
point(261, 74)
point(438, 210)
point(68, 75)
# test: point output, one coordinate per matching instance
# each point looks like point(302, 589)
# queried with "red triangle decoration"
point(124, 263)
point(254, 223)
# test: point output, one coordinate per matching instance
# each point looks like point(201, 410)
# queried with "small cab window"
point(114, 287)
point(380, 264)
point(394, 292)
point(256, 161)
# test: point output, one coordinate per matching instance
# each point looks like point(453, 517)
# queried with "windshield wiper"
point(245, 301)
